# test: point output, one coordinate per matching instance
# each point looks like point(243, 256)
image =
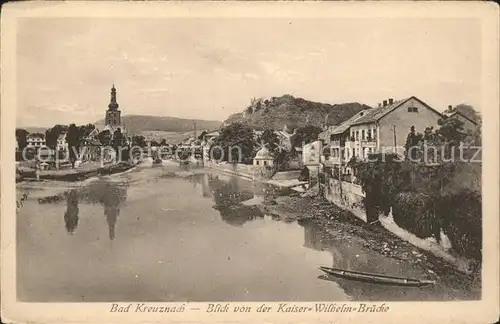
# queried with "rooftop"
point(263, 154)
point(375, 114)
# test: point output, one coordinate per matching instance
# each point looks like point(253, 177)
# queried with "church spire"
point(113, 105)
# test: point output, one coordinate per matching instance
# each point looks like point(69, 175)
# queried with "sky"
point(208, 68)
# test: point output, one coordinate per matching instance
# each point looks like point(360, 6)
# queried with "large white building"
point(36, 140)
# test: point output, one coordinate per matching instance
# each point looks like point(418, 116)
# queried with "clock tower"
point(113, 115)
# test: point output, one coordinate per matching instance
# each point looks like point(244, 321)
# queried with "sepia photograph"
point(205, 158)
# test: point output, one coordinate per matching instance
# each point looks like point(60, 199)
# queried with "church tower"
point(113, 115)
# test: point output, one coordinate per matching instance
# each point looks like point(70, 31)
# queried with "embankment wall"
point(349, 196)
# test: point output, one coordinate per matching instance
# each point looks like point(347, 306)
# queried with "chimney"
point(385, 103)
point(450, 108)
point(391, 101)
point(379, 105)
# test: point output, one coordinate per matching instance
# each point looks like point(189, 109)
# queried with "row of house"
point(383, 129)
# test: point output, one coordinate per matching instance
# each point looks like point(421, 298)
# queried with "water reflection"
point(71, 214)
point(349, 255)
point(317, 239)
point(228, 194)
point(110, 194)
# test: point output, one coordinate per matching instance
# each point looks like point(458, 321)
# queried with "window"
point(353, 152)
point(412, 109)
point(363, 134)
point(265, 162)
point(332, 137)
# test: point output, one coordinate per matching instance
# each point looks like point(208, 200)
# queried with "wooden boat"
point(375, 278)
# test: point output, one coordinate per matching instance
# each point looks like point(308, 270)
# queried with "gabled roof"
point(93, 141)
point(376, 114)
point(94, 132)
point(457, 112)
point(61, 136)
point(348, 123)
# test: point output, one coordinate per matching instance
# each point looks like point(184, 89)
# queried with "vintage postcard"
point(260, 162)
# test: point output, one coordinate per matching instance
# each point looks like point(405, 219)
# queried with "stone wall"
point(349, 196)
point(286, 175)
point(250, 172)
point(346, 195)
point(235, 169)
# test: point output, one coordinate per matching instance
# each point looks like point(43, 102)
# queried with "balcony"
point(331, 161)
point(335, 144)
point(369, 143)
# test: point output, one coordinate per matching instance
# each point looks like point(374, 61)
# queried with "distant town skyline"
point(211, 68)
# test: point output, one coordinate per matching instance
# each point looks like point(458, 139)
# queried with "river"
point(146, 235)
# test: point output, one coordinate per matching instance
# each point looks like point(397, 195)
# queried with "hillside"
point(294, 112)
point(137, 124)
point(34, 129)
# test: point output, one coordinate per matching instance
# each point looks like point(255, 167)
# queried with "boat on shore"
point(374, 278)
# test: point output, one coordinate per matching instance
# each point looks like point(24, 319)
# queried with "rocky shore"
point(341, 226)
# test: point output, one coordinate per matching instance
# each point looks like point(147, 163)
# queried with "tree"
point(270, 138)
point(452, 131)
point(71, 214)
point(238, 138)
point(85, 130)
point(117, 140)
point(477, 135)
point(105, 137)
point(306, 134)
point(273, 143)
point(468, 111)
point(139, 140)
point(21, 135)
point(52, 134)
point(73, 138)
point(412, 141)
point(202, 135)
point(163, 142)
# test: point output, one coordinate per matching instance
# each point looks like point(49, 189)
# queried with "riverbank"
point(342, 226)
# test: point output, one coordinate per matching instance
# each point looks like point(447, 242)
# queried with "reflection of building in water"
point(113, 198)
point(111, 212)
point(206, 192)
point(111, 195)
point(71, 214)
point(311, 238)
point(314, 239)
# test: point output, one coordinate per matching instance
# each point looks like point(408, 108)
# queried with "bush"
point(415, 213)
point(462, 222)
